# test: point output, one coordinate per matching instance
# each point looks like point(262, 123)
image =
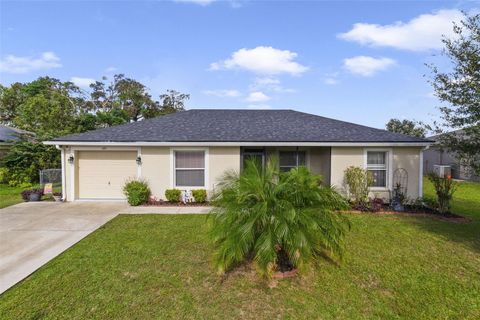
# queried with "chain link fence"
point(53, 176)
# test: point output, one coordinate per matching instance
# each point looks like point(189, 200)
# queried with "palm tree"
point(279, 220)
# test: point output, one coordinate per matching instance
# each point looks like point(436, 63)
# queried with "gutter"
point(236, 143)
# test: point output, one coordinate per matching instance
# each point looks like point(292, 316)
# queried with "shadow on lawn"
point(467, 233)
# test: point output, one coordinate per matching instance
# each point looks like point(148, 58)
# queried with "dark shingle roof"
point(214, 125)
point(9, 134)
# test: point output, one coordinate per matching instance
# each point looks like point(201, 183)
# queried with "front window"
point(377, 167)
point(291, 159)
point(254, 155)
point(189, 168)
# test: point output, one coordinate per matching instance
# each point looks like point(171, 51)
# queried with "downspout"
point(62, 153)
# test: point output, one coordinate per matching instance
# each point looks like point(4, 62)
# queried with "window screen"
point(377, 166)
point(291, 159)
point(189, 168)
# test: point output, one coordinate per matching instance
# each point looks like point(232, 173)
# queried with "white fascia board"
point(242, 144)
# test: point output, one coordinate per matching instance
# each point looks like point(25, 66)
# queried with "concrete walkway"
point(167, 210)
point(33, 233)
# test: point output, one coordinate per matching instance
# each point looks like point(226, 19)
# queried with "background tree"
point(173, 101)
point(459, 89)
point(408, 127)
point(10, 98)
point(45, 106)
point(50, 108)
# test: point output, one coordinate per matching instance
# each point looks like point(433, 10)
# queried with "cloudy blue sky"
point(357, 61)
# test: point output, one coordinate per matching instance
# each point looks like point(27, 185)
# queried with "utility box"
point(442, 170)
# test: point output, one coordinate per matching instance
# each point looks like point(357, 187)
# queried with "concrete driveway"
point(32, 234)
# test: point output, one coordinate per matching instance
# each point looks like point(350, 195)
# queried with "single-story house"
point(438, 155)
point(192, 149)
point(8, 136)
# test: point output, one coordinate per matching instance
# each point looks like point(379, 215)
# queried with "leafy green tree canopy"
point(459, 90)
point(408, 127)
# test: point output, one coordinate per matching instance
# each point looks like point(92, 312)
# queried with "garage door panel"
point(102, 174)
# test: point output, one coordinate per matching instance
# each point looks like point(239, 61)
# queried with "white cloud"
point(331, 79)
point(15, 64)
point(223, 93)
point(262, 60)
point(367, 66)
point(259, 106)
point(257, 96)
point(111, 69)
point(199, 2)
point(421, 33)
point(82, 82)
point(269, 84)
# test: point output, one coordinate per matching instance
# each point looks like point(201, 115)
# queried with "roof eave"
point(239, 143)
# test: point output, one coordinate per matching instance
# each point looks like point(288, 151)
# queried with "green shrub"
point(137, 192)
point(19, 179)
point(4, 175)
point(358, 181)
point(173, 195)
point(200, 195)
point(24, 159)
point(444, 189)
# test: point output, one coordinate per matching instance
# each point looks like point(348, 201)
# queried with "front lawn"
point(154, 266)
point(9, 195)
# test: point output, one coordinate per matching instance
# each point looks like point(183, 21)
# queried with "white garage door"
point(102, 174)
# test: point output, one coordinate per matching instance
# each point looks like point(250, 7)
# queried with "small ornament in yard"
point(187, 196)
point(48, 188)
point(400, 182)
point(57, 196)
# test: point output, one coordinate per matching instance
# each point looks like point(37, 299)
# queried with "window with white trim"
point(189, 168)
point(291, 159)
point(377, 166)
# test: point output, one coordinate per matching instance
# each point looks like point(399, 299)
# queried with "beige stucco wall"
point(157, 166)
point(222, 159)
point(409, 159)
point(402, 157)
point(156, 169)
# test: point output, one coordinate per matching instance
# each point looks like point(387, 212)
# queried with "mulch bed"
point(450, 217)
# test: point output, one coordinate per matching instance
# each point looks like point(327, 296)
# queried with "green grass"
point(154, 266)
point(9, 195)
point(466, 199)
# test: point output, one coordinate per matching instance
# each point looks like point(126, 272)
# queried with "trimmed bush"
point(358, 181)
point(200, 195)
point(444, 189)
point(173, 195)
point(137, 192)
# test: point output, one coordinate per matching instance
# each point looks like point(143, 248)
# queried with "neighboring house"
point(9, 135)
point(436, 155)
point(192, 149)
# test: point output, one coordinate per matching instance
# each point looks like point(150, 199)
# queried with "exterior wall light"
point(139, 160)
point(71, 159)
